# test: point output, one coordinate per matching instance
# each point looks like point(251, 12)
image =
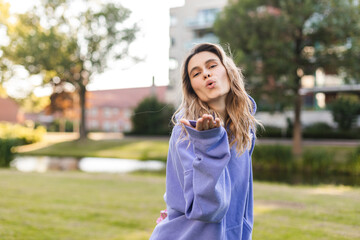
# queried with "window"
point(173, 64)
point(107, 112)
point(172, 41)
point(208, 16)
point(93, 112)
point(173, 20)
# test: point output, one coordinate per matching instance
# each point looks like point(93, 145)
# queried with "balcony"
point(204, 19)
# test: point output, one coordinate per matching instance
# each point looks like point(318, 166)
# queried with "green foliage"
point(277, 42)
point(353, 161)
point(24, 134)
point(319, 130)
point(314, 160)
point(274, 157)
point(55, 126)
point(12, 135)
point(318, 160)
point(271, 132)
point(67, 46)
point(345, 110)
point(272, 40)
point(6, 153)
point(152, 117)
point(33, 103)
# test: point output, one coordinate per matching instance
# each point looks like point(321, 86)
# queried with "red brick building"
point(111, 110)
point(10, 111)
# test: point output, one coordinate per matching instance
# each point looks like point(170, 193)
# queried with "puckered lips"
point(210, 83)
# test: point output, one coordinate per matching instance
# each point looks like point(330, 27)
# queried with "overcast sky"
point(152, 44)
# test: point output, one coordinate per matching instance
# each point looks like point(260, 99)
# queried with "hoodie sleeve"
point(252, 132)
point(206, 181)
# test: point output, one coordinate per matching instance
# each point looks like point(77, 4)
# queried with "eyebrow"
point(207, 61)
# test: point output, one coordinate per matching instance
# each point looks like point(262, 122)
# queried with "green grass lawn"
point(76, 205)
point(141, 149)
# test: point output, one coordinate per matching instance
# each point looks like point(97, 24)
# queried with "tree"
point(4, 68)
point(152, 117)
point(279, 41)
point(345, 110)
point(48, 40)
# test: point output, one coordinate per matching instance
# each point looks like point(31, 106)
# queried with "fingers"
point(185, 122)
point(217, 122)
point(199, 124)
point(207, 122)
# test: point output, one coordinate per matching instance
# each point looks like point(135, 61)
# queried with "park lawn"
point(77, 205)
point(141, 149)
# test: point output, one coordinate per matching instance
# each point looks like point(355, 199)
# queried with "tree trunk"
point(297, 135)
point(62, 125)
point(82, 93)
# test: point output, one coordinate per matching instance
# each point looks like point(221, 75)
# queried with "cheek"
point(195, 85)
point(226, 81)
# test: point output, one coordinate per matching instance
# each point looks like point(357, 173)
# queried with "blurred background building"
point(189, 24)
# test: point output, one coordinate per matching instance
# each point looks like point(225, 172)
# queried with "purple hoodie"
point(209, 190)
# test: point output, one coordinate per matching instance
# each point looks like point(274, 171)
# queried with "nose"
point(207, 75)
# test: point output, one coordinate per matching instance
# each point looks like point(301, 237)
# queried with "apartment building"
point(189, 24)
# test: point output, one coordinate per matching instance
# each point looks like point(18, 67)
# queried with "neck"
point(220, 107)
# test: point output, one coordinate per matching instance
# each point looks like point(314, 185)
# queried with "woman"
point(209, 173)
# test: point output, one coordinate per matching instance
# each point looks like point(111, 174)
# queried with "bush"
point(318, 130)
point(270, 132)
point(55, 126)
point(322, 130)
point(276, 157)
point(6, 154)
point(345, 110)
point(152, 117)
point(24, 134)
point(318, 160)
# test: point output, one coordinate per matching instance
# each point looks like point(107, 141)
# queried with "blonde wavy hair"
point(239, 107)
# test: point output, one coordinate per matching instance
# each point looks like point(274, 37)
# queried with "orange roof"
point(124, 98)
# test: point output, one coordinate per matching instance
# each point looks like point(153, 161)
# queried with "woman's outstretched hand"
point(204, 123)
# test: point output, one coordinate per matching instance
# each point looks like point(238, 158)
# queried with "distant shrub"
point(55, 126)
point(319, 130)
point(318, 160)
point(273, 157)
point(152, 117)
point(24, 134)
point(271, 132)
point(6, 154)
point(345, 110)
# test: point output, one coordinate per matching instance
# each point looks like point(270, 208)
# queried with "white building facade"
point(189, 24)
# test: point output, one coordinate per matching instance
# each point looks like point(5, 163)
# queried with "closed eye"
point(196, 74)
point(212, 66)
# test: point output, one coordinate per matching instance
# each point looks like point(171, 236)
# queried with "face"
point(208, 78)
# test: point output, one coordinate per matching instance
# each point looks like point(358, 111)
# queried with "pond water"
point(87, 164)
